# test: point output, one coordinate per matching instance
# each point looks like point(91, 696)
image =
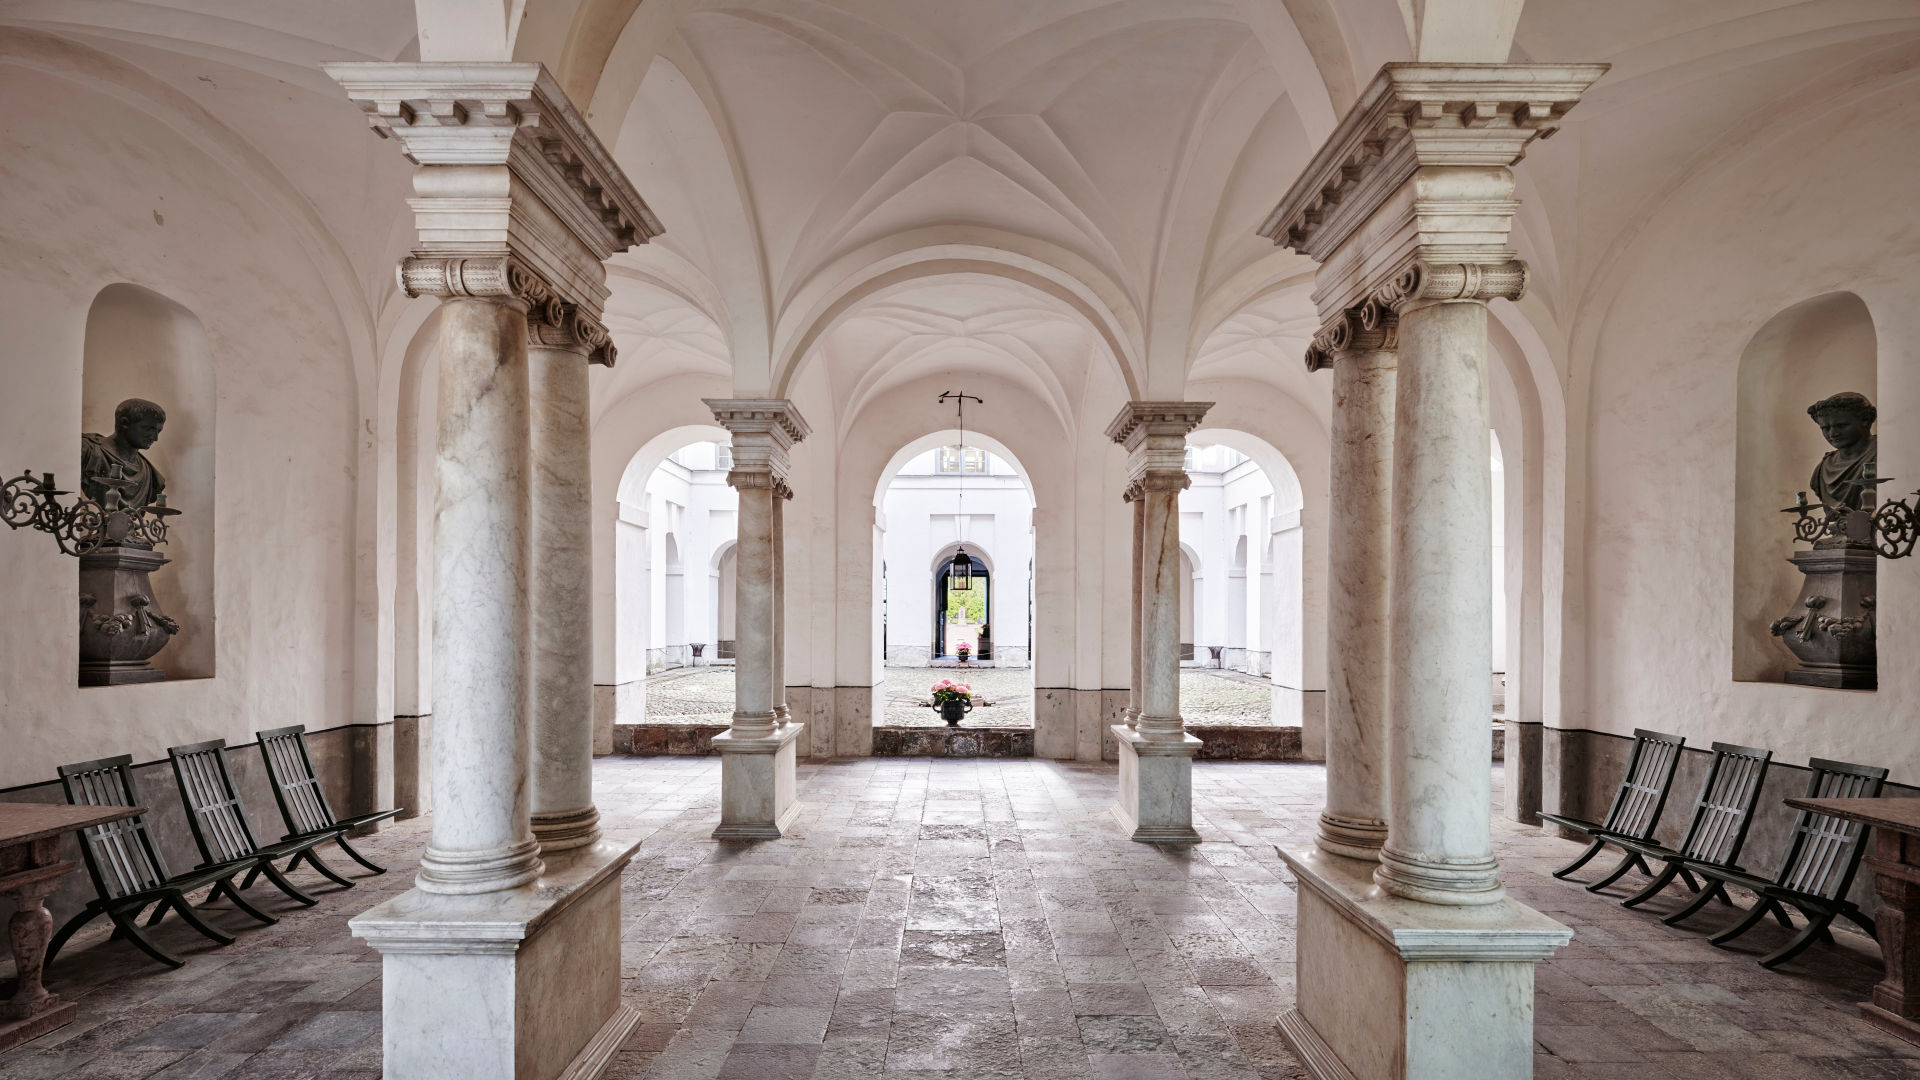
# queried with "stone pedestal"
point(1393, 989)
point(1155, 803)
point(1830, 629)
point(120, 625)
point(521, 984)
point(758, 790)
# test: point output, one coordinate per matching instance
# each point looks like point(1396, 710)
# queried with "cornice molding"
point(1139, 419)
point(507, 113)
point(1415, 115)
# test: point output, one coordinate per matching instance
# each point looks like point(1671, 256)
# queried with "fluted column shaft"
point(481, 840)
point(562, 587)
point(1439, 835)
point(1160, 604)
point(1354, 821)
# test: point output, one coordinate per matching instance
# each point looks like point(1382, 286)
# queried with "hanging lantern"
point(960, 576)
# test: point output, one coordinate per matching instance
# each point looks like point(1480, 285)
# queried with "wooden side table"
point(1895, 862)
point(30, 869)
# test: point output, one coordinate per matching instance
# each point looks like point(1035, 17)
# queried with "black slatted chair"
point(219, 821)
point(128, 871)
point(1715, 833)
point(303, 803)
point(1815, 873)
point(1638, 801)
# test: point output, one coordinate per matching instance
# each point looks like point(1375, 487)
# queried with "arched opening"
point(139, 344)
point(961, 608)
point(936, 502)
point(674, 563)
point(1498, 466)
point(1809, 352)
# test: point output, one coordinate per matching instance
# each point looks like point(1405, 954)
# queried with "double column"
point(759, 750)
point(1155, 801)
point(1407, 209)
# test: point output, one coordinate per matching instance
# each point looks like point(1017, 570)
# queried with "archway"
point(674, 574)
point(1243, 620)
point(940, 497)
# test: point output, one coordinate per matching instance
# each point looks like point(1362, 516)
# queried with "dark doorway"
point(958, 610)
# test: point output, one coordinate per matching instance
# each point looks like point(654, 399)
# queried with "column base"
point(567, 829)
point(1354, 838)
point(1155, 805)
point(758, 789)
point(1393, 989)
point(516, 985)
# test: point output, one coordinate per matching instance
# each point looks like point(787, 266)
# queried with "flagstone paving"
point(957, 919)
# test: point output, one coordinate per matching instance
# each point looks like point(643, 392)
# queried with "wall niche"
point(139, 344)
point(1810, 351)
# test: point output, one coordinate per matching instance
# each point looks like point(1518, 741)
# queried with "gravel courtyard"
point(1207, 698)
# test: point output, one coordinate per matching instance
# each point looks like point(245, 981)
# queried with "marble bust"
point(1844, 479)
point(115, 462)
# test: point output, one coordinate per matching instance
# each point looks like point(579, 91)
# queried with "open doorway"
point(683, 592)
point(956, 591)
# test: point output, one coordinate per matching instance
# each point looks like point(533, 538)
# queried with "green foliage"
point(969, 606)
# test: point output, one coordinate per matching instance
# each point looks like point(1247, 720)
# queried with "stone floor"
point(705, 696)
point(946, 920)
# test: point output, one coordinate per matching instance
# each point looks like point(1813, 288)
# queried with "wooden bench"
point(1636, 804)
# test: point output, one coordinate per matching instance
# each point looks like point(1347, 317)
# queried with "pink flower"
point(943, 684)
point(964, 688)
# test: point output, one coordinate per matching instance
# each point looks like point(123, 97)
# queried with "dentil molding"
point(555, 199)
point(764, 429)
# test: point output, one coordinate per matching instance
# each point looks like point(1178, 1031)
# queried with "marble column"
point(758, 751)
point(482, 840)
point(1439, 845)
point(1407, 209)
point(781, 494)
point(1155, 802)
point(562, 586)
point(503, 963)
point(1136, 572)
point(1358, 346)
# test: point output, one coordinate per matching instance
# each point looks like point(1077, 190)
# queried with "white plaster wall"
point(1799, 214)
point(98, 192)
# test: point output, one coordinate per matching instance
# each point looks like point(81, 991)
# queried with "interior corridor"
point(957, 919)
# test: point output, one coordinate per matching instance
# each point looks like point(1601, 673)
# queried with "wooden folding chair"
point(1815, 873)
point(128, 871)
point(303, 803)
point(1636, 803)
point(1715, 833)
point(220, 824)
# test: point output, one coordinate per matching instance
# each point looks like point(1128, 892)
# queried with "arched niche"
point(1812, 350)
point(139, 344)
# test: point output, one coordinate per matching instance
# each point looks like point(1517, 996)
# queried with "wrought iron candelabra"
point(1891, 529)
point(86, 525)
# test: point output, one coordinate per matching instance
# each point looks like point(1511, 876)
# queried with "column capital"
point(764, 429)
point(575, 332)
point(508, 167)
point(1417, 174)
point(1365, 327)
point(1154, 434)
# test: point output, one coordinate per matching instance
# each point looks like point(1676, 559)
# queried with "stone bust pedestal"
point(1830, 629)
point(121, 627)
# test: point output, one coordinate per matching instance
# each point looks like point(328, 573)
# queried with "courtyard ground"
point(705, 696)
